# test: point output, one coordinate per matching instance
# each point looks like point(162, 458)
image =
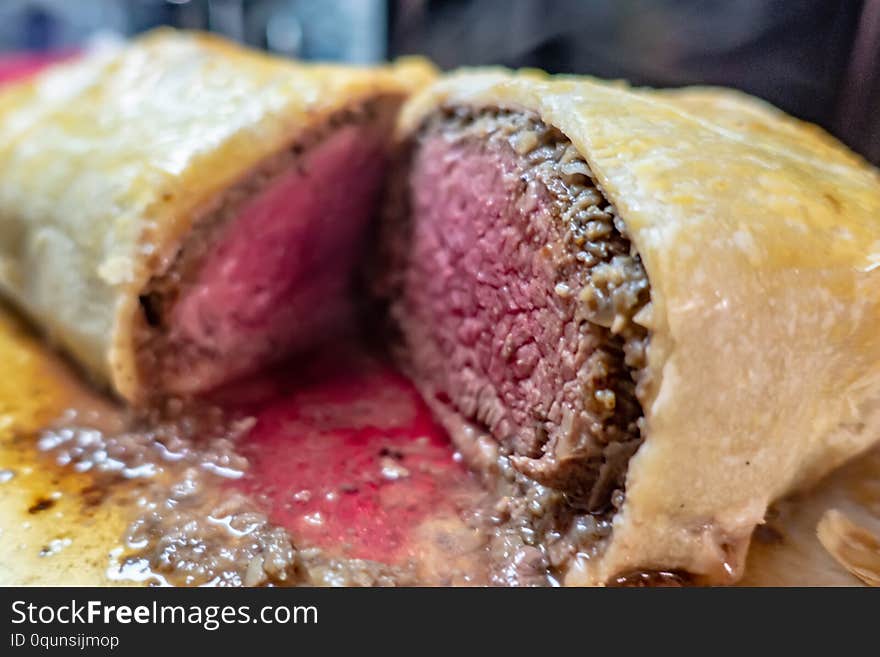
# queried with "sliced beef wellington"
point(642, 316)
point(181, 211)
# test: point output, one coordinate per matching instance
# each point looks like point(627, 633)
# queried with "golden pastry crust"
point(68, 542)
point(761, 238)
point(105, 162)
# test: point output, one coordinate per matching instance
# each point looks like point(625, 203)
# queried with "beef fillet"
point(267, 271)
point(517, 296)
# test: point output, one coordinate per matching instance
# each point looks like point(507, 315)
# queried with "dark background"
point(817, 59)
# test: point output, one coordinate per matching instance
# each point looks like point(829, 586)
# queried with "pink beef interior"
point(485, 317)
point(515, 295)
point(273, 275)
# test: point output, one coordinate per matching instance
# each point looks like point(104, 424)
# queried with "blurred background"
point(817, 59)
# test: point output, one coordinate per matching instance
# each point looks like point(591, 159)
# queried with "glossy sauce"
point(348, 458)
point(331, 467)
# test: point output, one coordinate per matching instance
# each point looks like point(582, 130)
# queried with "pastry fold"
point(759, 237)
point(172, 211)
